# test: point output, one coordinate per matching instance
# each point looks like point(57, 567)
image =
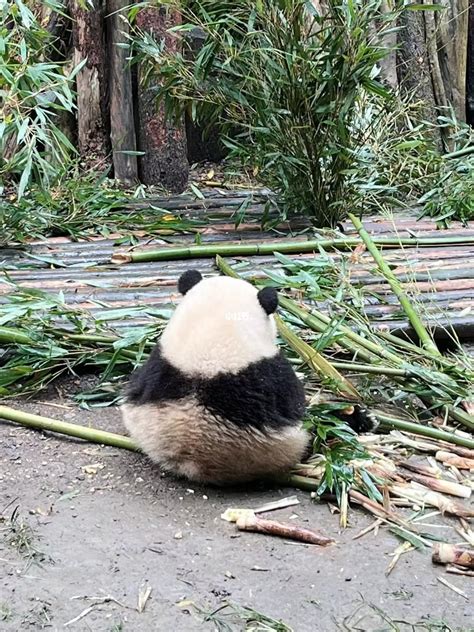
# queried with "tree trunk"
point(414, 74)
point(88, 38)
point(163, 141)
point(201, 144)
point(451, 34)
point(470, 68)
point(122, 125)
point(388, 65)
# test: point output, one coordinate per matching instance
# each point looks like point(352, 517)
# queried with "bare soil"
point(107, 523)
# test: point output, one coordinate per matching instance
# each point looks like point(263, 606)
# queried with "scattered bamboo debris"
point(444, 553)
point(456, 570)
point(452, 587)
point(282, 503)
point(246, 520)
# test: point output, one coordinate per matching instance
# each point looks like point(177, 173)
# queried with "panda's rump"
point(186, 439)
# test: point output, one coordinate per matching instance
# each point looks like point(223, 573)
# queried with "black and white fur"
point(216, 401)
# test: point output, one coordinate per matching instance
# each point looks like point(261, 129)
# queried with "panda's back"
point(227, 428)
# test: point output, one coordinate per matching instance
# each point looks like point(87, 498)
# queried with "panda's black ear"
point(268, 299)
point(187, 280)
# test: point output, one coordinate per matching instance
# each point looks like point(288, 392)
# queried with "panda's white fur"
point(185, 440)
point(217, 333)
point(219, 327)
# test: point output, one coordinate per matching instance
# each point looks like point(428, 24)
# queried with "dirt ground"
point(105, 523)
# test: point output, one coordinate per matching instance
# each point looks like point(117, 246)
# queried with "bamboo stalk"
point(63, 427)
point(292, 247)
point(369, 368)
point(425, 431)
point(316, 361)
point(397, 289)
point(421, 495)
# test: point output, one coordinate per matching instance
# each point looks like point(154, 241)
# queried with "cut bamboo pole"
point(65, 428)
point(292, 247)
point(397, 289)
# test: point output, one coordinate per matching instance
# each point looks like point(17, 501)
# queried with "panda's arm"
point(156, 381)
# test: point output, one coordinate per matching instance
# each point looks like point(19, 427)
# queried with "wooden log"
point(88, 41)
point(122, 124)
point(444, 553)
point(164, 142)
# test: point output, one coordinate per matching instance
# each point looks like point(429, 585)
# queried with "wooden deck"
point(441, 278)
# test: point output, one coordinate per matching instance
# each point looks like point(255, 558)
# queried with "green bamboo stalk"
point(425, 431)
point(459, 153)
point(292, 247)
point(316, 361)
point(63, 427)
point(396, 286)
point(363, 347)
point(369, 368)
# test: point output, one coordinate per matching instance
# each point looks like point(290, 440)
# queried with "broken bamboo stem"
point(455, 460)
point(425, 431)
point(444, 553)
point(396, 286)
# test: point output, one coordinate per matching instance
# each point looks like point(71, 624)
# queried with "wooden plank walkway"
point(440, 277)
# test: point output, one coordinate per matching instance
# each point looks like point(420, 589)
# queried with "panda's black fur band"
point(264, 395)
point(188, 280)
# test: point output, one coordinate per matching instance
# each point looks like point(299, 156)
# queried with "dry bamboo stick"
point(456, 570)
point(440, 485)
point(460, 462)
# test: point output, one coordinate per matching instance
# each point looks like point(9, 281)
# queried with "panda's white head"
point(221, 326)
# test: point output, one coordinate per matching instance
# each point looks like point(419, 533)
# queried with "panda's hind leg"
point(359, 419)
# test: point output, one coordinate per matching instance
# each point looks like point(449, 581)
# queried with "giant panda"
point(217, 402)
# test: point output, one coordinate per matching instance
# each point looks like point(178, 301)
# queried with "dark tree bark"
point(122, 124)
point(470, 68)
point(201, 144)
point(413, 68)
point(164, 143)
point(88, 38)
